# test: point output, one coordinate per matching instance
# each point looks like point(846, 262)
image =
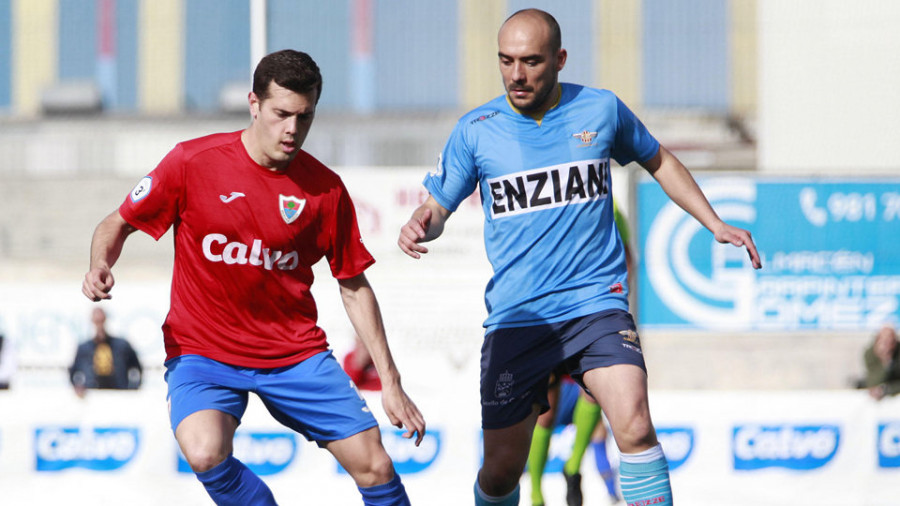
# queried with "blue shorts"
point(315, 397)
point(516, 362)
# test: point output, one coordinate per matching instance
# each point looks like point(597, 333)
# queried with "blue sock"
point(482, 499)
point(645, 477)
point(603, 467)
point(231, 483)
point(391, 493)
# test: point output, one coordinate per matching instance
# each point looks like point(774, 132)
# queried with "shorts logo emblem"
point(504, 385)
point(631, 337)
point(290, 207)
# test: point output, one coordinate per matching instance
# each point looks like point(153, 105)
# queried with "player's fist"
point(97, 284)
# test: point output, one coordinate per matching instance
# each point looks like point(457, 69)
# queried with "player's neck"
point(254, 150)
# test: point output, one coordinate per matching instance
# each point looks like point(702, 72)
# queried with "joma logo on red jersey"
point(239, 253)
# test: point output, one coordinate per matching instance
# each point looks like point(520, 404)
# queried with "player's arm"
point(425, 224)
point(362, 309)
point(681, 187)
point(106, 246)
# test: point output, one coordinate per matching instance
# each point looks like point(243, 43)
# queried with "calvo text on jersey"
point(549, 187)
point(217, 248)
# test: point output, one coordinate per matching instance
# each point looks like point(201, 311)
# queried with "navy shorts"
point(315, 397)
point(516, 362)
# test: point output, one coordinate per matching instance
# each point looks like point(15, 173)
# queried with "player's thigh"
point(206, 437)
point(317, 399)
point(621, 390)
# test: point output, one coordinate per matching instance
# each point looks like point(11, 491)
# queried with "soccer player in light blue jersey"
point(558, 298)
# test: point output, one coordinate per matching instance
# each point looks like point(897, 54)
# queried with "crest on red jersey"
point(290, 207)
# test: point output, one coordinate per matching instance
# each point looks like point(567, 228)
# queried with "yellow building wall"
point(34, 54)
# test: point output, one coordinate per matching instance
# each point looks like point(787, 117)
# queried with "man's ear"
point(561, 59)
point(254, 102)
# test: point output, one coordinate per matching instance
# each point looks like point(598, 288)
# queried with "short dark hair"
point(294, 70)
point(555, 32)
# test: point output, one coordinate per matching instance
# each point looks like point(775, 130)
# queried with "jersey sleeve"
point(347, 256)
point(456, 175)
point(634, 143)
point(152, 206)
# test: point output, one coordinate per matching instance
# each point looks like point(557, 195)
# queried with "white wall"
point(837, 435)
point(828, 78)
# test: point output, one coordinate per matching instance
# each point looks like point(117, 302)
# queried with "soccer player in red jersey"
point(252, 213)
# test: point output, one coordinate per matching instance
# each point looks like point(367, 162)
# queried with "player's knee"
point(383, 468)
point(637, 434)
point(204, 459)
point(499, 480)
point(376, 469)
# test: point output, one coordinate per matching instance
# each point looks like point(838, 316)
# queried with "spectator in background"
point(882, 364)
point(358, 364)
point(7, 362)
point(105, 361)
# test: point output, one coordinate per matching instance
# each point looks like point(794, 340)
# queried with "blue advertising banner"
point(97, 449)
point(829, 249)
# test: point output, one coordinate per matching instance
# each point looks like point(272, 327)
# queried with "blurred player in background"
point(559, 294)
point(104, 361)
point(252, 213)
point(358, 364)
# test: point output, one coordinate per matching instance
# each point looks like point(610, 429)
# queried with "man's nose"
point(291, 127)
point(518, 73)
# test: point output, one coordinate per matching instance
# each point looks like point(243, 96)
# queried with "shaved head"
point(554, 36)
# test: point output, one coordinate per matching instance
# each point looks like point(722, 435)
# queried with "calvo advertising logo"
point(799, 447)
point(677, 444)
point(97, 449)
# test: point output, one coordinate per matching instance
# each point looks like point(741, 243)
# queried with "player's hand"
point(402, 412)
point(739, 237)
point(97, 284)
point(413, 233)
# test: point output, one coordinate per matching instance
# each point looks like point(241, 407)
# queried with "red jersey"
point(246, 239)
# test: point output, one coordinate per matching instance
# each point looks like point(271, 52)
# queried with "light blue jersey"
point(546, 191)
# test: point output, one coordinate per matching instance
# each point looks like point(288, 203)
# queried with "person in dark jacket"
point(105, 361)
point(883, 364)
